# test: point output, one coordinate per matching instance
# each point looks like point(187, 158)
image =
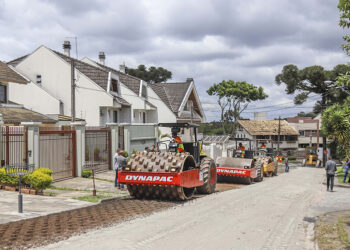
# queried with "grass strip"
point(90, 198)
point(343, 236)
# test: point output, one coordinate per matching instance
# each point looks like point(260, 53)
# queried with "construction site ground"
point(279, 213)
point(288, 206)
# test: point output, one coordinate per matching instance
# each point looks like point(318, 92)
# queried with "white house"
point(134, 90)
point(98, 94)
point(176, 102)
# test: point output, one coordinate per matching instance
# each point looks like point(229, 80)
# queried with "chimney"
point(189, 80)
point(102, 57)
point(122, 68)
point(66, 48)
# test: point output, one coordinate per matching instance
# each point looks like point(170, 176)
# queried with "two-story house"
point(98, 92)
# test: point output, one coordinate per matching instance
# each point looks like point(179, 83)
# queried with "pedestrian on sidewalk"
point(115, 167)
point(346, 168)
point(286, 167)
point(331, 169)
point(121, 165)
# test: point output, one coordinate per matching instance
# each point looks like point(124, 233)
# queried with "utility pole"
point(72, 91)
point(279, 135)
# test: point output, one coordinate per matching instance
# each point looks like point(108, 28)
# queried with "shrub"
point(40, 181)
point(45, 171)
point(86, 173)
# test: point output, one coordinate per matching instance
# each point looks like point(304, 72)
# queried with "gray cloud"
point(209, 40)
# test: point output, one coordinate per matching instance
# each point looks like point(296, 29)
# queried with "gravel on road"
point(266, 215)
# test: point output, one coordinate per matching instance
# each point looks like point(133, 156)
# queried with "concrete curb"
point(338, 184)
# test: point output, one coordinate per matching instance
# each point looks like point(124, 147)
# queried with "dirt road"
point(267, 215)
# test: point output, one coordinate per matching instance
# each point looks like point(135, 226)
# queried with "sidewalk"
point(61, 196)
point(34, 206)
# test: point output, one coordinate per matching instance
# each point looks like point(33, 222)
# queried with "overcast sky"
point(208, 40)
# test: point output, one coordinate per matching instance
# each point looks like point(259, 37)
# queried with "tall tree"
point(313, 80)
point(336, 124)
point(151, 75)
point(344, 22)
point(234, 98)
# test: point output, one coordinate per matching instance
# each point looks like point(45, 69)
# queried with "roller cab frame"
point(170, 169)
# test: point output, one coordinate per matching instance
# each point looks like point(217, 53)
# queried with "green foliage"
point(336, 124)
point(314, 79)
point(233, 99)
point(344, 9)
point(45, 171)
point(8, 179)
point(292, 158)
point(90, 198)
point(214, 128)
point(310, 114)
point(86, 173)
point(40, 179)
point(151, 75)
point(134, 152)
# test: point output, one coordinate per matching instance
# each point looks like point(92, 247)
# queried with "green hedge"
point(40, 179)
point(86, 173)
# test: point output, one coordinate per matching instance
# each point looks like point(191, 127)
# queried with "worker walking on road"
point(331, 169)
point(286, 169)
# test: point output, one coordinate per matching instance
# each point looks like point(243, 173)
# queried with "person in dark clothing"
point(331, 169)
point(346, 169)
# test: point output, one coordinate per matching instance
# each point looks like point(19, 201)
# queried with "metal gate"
point(98, 147)
point(14, 145)
point(58, 151)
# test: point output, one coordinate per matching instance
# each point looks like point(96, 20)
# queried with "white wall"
point(164, 113)
point(55, 75)
point(56, 79)
point(33, 97)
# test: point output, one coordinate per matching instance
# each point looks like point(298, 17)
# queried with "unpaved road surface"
point(267, 215)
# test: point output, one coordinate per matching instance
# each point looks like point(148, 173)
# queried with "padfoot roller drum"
point(151, 165)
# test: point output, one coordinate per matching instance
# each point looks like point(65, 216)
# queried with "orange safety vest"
point(179, 141)
point(241, 148)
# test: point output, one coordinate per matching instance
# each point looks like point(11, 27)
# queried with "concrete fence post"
point(33, 142)
point(114, 139)
point(127, 138)
point(80, 145)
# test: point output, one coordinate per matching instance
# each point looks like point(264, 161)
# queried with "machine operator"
point(242, 149)
point(178, 140)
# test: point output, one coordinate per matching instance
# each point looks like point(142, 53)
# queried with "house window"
point(144, 117)
point(38, 79)
point(114, 85)
point(3, 94)
point(144, 91)
point(61, 108)
point(115, 116)
point(301, 132)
